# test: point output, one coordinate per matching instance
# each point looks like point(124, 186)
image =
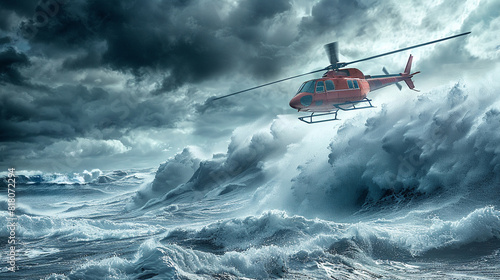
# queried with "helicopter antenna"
point(333, 55)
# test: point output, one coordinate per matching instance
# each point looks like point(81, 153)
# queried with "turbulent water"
point(406, 191)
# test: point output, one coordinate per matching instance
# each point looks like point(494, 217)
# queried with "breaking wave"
point(94, 176)
point(275, 245)
point(431, 145)
point(392, 193)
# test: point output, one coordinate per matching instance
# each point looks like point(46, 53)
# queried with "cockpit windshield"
point(307, 87)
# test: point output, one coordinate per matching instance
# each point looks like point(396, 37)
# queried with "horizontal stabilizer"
point(409, 83)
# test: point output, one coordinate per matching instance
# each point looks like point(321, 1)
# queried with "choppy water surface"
point(399, 196)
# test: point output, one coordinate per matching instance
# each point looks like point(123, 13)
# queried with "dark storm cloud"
point(45, 105)
point(8, 9)
point(5, 40)
point(211, 106)
point(68, 112)
point(20, 7)
point(195, 43)
point(10, 62)
point(330, 15)
point(91, 58)
point(187, 42)
point(100, 69)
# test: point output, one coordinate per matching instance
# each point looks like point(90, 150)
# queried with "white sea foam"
point(80, 178)
point(277, 245)
point(77, 229)
point(481, 225)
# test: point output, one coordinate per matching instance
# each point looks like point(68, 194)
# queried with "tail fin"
point(408, 80)
point(408, 65)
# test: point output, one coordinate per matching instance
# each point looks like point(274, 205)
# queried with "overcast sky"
point(124, 84)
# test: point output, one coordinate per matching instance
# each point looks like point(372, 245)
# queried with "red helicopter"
point(343, 89)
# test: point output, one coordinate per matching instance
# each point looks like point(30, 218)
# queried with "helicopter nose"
point(301, 101)
point(295, 103)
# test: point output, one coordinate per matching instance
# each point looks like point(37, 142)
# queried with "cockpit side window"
point(300, 88)
point(356, 85)
point(349, 83)
point(307, 87)
point(320, 87)
point(329, 85)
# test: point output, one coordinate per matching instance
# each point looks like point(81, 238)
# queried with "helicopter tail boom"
point(380, 81)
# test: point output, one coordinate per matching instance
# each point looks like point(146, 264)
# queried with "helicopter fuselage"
point(341, 89)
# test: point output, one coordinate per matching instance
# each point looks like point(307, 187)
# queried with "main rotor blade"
point(412, 47)
point(275, 82)
point(332, 51)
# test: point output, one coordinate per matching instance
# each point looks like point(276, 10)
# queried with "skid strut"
point(332, 115)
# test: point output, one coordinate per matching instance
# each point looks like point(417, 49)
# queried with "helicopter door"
point(320, 87)
point(320, 93)
point(329, 85)
point(331, 94)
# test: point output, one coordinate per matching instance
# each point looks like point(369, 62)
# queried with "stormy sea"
point(408, 190)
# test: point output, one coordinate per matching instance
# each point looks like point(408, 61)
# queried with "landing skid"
point(354, 103)
point(352, 106)
point(309, 119)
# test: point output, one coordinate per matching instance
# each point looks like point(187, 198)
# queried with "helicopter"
point(341, 88)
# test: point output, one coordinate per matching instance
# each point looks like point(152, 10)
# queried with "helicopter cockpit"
point(307, 87)
point(320, 86)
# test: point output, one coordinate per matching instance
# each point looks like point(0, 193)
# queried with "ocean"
point(401, 192)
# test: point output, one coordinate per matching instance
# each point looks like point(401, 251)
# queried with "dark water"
point(97, 231)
